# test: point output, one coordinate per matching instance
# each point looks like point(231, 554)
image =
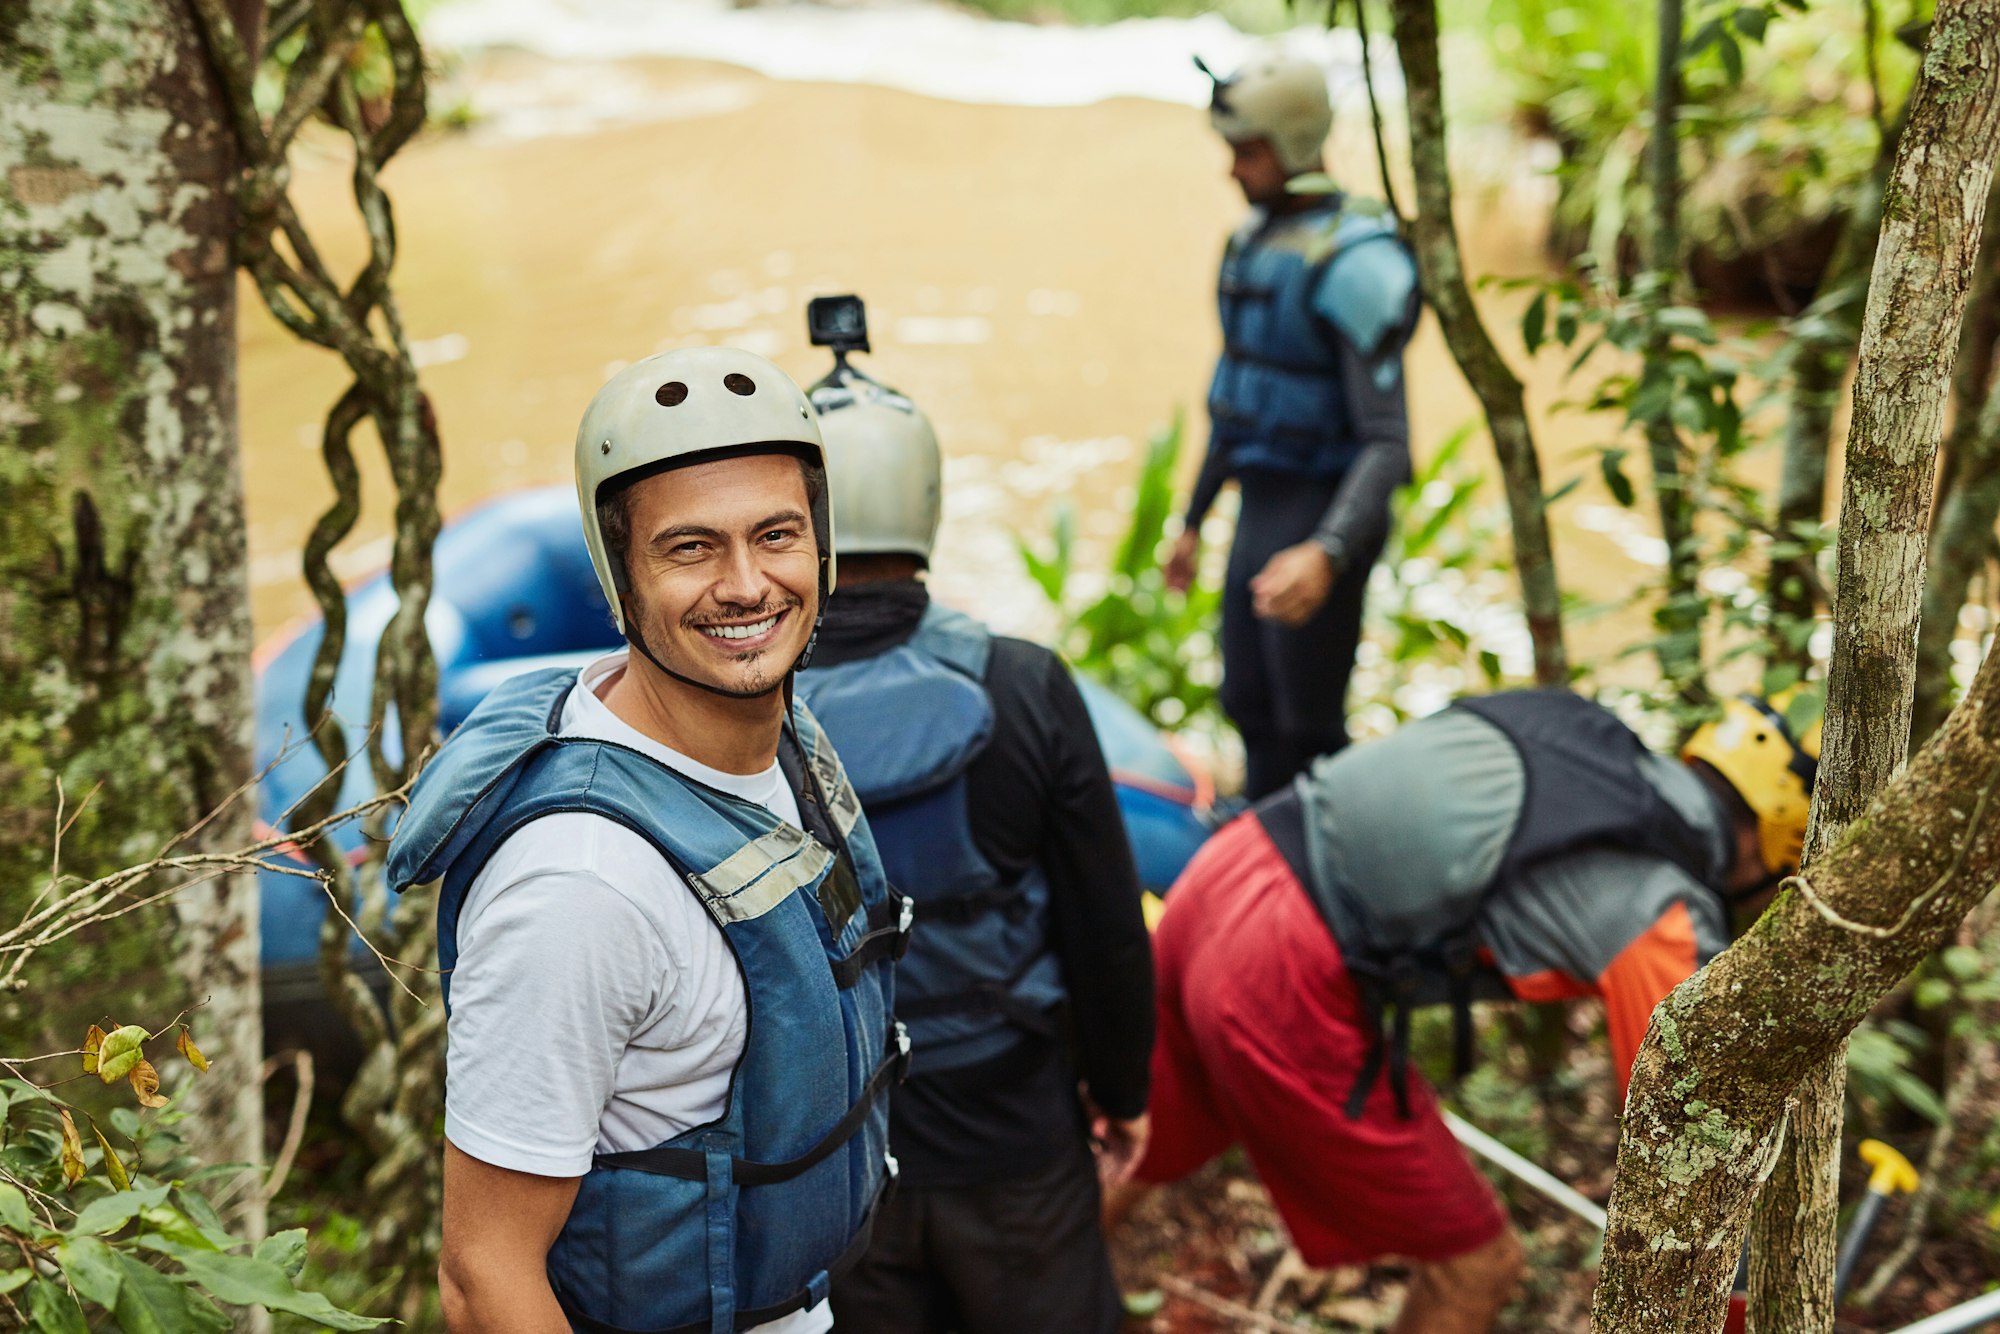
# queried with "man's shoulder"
point(586, 847)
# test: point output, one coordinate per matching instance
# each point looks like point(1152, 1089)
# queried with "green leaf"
point(53, 1311)
point(1611, 464)
point(1144, 1305)
point(108, 1213)
point(1535, 322)
point(14, 1278)
point(287, 1250)
point(1731, 52)
point(149, 1302)
point(1561, 491)
point(14, 1212)
point(92, 1269)
point(244, 1280)
point(1751, 22)
point(120, 1053)
point(1963, 962)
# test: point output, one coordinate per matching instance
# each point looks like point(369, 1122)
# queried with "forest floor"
point(1211, 1256)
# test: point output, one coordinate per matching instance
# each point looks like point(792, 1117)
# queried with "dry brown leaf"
point(72, 1149)
point(146, 1083)
point(185, 1044)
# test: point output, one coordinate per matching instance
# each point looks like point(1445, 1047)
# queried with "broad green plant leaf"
point(51, 1310)
point(108, 1213)
point(92, 1269)
point(287, 1250)
point(14, 1212)
point(243, 1280)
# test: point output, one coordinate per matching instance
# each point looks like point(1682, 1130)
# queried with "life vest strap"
point(888, 938)
point(811, 1295)
point(692, 1164)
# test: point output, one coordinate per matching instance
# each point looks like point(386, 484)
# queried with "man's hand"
point(1120, 1143)
point(498, 1227)
point(1179, 567)
point(1293, 584)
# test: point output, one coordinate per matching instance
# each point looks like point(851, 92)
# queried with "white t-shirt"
point(595, 1007)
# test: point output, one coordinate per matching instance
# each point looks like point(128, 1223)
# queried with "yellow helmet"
point(1752, 746)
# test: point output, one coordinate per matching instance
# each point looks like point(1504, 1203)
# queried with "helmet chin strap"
point(784, 682)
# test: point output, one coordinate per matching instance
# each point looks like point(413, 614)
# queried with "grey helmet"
point(672, 408)
point(1278, 97)
point(884, 474)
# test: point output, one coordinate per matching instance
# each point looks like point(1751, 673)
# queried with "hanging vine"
point(318, 52)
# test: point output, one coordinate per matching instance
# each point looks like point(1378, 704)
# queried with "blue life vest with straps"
point(909, 723)
point(747, 1218)
point(1276, 402)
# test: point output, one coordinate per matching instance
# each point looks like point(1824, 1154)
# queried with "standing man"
point(1518, 845)
point(666, 932)
point(1318, 296)
point(1028, 982)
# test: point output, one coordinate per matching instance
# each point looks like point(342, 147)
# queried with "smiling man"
point(667, 931)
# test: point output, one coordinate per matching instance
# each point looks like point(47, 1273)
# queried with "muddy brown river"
point(1038, 279)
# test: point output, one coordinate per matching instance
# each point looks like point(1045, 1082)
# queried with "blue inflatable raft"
point(514, 591)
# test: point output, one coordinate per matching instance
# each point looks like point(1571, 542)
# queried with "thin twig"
point(295, 1131)
point(1236, 1311)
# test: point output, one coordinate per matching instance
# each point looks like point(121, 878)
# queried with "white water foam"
point(921, 48)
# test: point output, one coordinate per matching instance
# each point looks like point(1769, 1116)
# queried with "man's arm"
point(1368, 301)
point(1097, 926)
point(498, 1227)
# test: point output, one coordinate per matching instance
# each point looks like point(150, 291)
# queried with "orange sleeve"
point(1640, 977)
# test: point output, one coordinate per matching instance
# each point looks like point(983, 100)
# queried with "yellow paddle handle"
point(1892, 1171)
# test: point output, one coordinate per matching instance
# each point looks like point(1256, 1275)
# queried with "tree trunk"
point(1680, 614)
point(1968, 495)
point(1498, 390)
point(1728, 1048)
point(124, 612)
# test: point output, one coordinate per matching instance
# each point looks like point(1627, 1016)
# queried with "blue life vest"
point(909, 723)
point(745, 1219)
point(1276, 402)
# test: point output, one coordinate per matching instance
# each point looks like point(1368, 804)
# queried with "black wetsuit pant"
point(1007, 1257)
point(1285, 687)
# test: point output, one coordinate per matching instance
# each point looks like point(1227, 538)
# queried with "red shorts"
point(1261, 1036)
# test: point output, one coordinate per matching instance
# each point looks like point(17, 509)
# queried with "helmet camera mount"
point(841, 323)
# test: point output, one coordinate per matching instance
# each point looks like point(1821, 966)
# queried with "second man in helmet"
point(1029, 971)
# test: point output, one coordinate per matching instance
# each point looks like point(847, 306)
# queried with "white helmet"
point(1277, 97)
point(671, 408)
point(888, 478)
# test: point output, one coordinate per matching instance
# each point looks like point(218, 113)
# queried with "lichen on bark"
point(124, 630)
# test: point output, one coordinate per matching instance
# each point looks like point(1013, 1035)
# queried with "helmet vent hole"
point(671, 394)
point(1763, 737)
point(738, 383)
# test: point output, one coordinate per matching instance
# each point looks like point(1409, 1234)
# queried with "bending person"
point(1521, 845)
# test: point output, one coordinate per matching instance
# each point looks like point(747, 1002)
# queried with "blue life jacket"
point(1276, 402)
point(745, 1219)
point(909, 723)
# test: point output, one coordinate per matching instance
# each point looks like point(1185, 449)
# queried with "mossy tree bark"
point(1498, 389)
point(124, 612)
point(1729, 1048)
